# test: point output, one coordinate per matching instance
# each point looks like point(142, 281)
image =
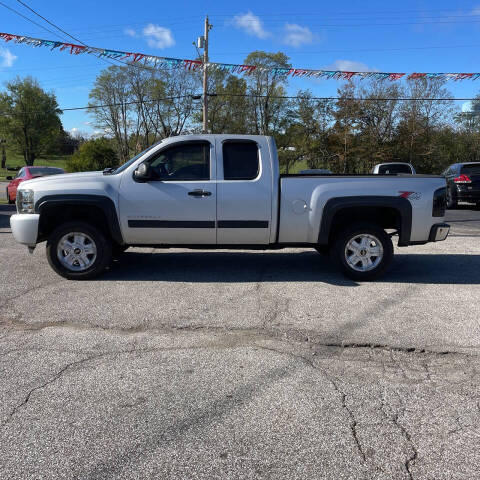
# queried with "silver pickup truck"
point(225, 191)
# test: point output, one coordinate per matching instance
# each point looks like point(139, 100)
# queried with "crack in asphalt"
point(353, 420)
point(380, 346)
point(9, 300)
point(408, 437)
point(161, 329)
point(343, 395)
point(406, 434)
point(48, 382)
point(306, 357)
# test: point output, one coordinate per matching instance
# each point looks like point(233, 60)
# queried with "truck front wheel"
point(78, 251)
point(362, 251)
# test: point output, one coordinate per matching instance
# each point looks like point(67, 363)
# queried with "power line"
point(105, 105)
point(49, 22)
point(324, 13)
point(66, 33)
point(361, 99)
point(29, 19)
point(350, 50)
point(341, 25)
point(282, 97)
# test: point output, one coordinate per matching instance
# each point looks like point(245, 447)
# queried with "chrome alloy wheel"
point(76, 251)
point(363, 252)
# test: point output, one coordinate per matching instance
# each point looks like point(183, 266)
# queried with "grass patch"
point(15, 160)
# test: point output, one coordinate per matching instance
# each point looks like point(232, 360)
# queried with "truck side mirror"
point(9, 178)
point(143, 173)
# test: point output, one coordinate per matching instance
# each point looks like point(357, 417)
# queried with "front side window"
point(136, 157)
point(240, 160)
point(20, 174)
point(190, 161)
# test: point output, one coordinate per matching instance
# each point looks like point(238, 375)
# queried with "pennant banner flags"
point(166, 62)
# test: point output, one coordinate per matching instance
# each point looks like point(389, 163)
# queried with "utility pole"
point(205, 76)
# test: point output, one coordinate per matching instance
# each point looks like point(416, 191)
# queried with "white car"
point(225, 191)
point(393, 168)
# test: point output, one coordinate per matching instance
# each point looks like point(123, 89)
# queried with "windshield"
point(393, 169)
point(472, 169)
point(136, 157)
point(43, 171)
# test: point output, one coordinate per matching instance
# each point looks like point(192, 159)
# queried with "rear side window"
point(393, 169)
point(240, 161)
point(472, 169)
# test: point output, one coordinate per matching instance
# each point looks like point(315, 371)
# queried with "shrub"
point(93, 155)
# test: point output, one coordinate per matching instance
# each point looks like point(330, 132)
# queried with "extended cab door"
point(179, 205)
point(244, 192)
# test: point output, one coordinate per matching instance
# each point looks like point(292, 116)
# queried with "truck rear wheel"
point(362, 251)
point(78, 251)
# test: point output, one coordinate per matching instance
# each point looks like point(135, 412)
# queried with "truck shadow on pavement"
point(303, 266)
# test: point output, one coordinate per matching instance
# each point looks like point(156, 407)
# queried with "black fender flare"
point(335, 205)
point(105, 204)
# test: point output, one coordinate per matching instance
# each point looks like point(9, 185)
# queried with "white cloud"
point(158, 37)
point(130, 32)
point(250, 24)
point(475, 11)
point(296, 35)
point(349, 66)
point(7, 57)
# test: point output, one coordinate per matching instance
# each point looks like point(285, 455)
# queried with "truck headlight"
point(25, 201)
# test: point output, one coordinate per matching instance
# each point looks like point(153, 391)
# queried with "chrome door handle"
point(199, 193)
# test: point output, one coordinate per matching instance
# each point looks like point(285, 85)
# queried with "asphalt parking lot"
point(183, 364)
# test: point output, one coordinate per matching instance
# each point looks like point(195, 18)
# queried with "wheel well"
point(53, 216)
point(385, 217)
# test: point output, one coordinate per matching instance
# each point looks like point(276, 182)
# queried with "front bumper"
point(439, 232)
point(25, 228)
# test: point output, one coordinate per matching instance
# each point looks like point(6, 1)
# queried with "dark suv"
point(463, 183)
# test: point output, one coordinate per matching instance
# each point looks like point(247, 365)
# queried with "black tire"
point(102, 245)
point(452, 202)
point(339, 252)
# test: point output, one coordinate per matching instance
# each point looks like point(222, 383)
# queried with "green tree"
point(265, 85)
point(307, 127)
point(228, 105)
point(345, 128)
point(142, 105)
point(420, 120)
point(93, 155)
point(31, 121)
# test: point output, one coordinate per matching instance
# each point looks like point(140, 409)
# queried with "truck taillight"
point(462, 178)
point(439, 202)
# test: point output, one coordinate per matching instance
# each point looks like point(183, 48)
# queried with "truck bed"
point(303, 199)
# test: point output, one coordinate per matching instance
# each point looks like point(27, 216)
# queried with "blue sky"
point(408, 36)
